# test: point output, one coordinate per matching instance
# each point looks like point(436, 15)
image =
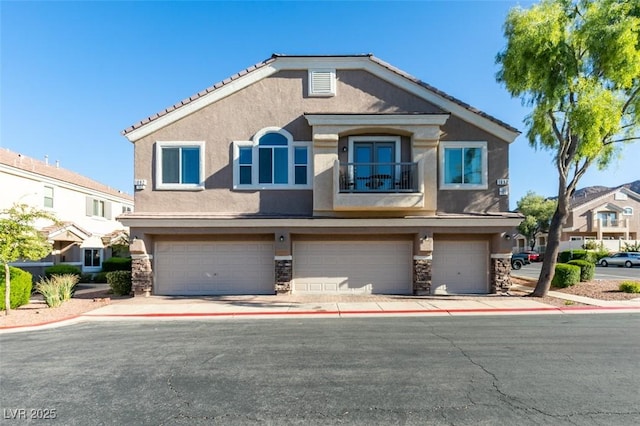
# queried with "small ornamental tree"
point(577, 64)
point(20, 240)
point(537, 213)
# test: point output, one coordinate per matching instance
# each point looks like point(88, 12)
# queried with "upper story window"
point(628, 211)
point(463, 165)
point(180, 165)
point(48, 197)
point(98, 208)
point(273, 160)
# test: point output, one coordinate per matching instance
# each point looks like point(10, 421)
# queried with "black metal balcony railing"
point(378, 177)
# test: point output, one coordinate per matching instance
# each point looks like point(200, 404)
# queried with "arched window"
point(272, 160)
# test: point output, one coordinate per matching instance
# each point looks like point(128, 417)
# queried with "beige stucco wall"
point(582, 219)
point(281, 100)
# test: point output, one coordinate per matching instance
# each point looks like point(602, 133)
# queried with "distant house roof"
point(28, 164)
point(511, 132)
point(598, 193)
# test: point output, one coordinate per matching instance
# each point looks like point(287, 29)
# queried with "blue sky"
point(74, 74)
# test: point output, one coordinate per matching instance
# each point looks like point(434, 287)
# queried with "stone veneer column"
point(141, 272)
point(284, 274)
point(500, 273)
point(422, 275)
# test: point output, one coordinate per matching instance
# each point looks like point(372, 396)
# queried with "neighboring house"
point(321, 174)
point(88, 230)
point(610, 216)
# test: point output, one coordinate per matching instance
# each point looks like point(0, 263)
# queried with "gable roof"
point(31, 165)
point(279, 62)
point(598, 195)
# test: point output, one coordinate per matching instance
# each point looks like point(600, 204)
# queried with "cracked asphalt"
point(524, 370)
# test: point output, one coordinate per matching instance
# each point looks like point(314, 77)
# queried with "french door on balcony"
point(373, 165)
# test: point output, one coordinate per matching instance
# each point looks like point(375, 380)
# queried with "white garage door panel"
point(460, 267)
point(352, 267)
point(207, 268)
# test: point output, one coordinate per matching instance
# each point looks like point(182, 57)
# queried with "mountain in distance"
point(589, 191)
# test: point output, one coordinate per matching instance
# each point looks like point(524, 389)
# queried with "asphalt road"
point(609, 273)
point(524, 370)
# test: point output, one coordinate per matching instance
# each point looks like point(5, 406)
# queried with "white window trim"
point(464, 144)
point(53, 197)
point(178, 186)
point(624, 211)
point(253, 144)
point(332, 77)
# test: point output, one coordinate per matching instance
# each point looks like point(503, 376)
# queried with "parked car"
point(518, 260)
point(534, 256)
point(627, 258)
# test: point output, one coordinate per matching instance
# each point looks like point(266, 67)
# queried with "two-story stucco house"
point(321, 174)
point(87, 210)
point(610, 214)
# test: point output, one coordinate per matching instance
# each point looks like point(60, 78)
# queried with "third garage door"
point(460, 267)
point(352, 267)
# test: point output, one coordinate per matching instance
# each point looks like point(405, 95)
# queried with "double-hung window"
point(180, 165)
point(272, 160)
point(48, 196)
point(463, 165)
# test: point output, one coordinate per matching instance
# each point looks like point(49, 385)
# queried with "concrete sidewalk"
point(156, 308)
point(166, 307)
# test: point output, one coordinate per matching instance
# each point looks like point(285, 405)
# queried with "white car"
point(628, 259)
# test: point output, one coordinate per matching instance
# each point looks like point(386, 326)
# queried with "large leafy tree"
point(537, 212)
point(576, 63)
point(19, 239)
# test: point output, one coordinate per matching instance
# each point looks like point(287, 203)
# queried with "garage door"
point(213, 268)
point(460, 267)
point(352, 267)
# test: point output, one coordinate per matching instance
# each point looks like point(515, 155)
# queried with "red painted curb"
point(40, 324)
point(367, 312)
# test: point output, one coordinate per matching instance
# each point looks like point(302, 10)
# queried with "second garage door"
point(350, 267)
point(214, 268)
point(460, 267)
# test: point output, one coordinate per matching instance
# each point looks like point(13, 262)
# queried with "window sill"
point(462, 187)
point(271, 187)
point(178, 187)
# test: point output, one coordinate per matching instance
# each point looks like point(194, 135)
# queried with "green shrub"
point(120, 282)
point(50, 291)
point(587, 269)
point(20, 285)
point(630, 287)
point(86, 278)
point(66, 285)
point(100, 277)
point(631, 246)
point(116, 264)
point(567, 255)
point(61, 269)
point(565, 275)
point(57, 288)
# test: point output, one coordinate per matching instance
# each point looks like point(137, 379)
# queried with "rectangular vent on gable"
point(322, 82)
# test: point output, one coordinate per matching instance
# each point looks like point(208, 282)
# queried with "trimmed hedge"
point(120, 282)
point(62, 269)
point(567, 255)
point(587, 269)
point(630, 287)
point(20, 284)
point(565, 275)
point(116, 264)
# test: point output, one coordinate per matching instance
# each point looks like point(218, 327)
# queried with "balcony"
point(378, 186)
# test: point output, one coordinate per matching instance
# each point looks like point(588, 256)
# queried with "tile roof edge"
point(274, 57)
